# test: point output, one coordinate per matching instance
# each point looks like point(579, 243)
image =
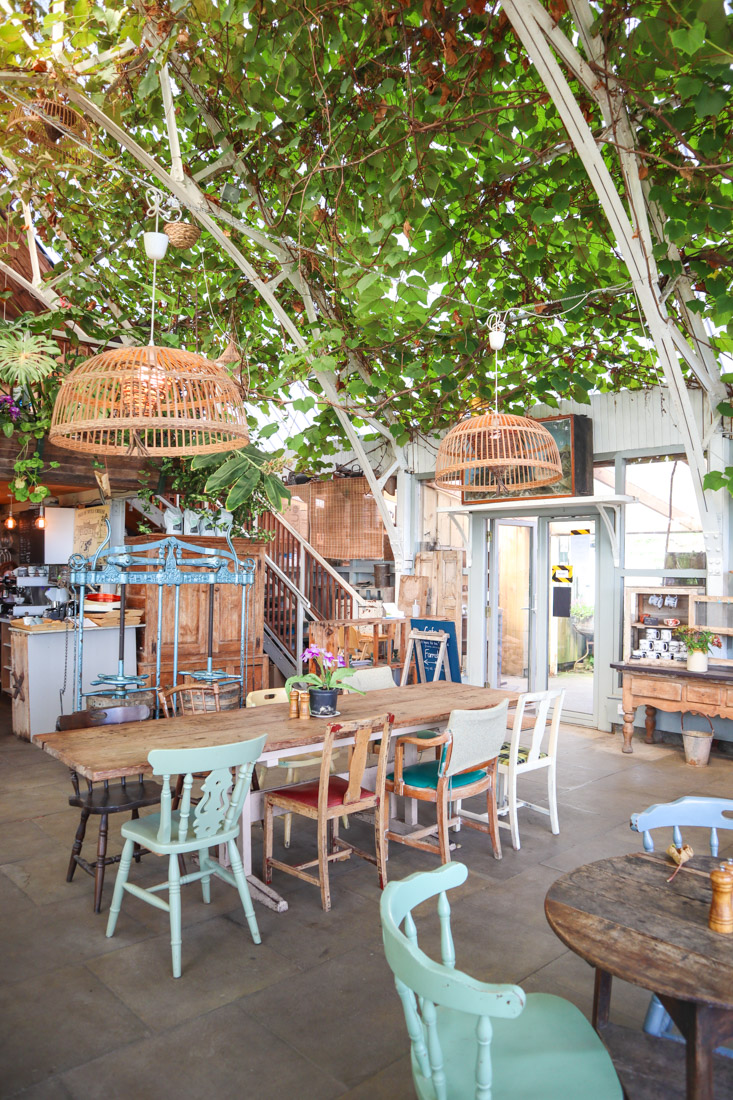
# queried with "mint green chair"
point(472, 1039)
point(174, 833)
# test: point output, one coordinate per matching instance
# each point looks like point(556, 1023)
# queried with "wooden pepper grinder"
point(294, 703)
point(305, 708)
point(721, 907)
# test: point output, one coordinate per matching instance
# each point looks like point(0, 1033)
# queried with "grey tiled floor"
point(312, 1012)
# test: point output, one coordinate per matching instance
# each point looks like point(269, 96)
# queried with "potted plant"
point(698, 643)
point(324, 685)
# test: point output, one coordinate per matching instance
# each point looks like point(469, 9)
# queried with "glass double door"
point(542, 594)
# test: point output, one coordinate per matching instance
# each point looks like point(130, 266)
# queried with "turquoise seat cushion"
point(522, 754)
point(425, 776)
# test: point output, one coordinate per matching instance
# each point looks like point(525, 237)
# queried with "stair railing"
point(300, 585)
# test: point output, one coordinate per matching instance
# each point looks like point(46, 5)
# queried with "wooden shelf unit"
point(636, 605)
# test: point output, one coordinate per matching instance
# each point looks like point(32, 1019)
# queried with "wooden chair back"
point(218, 810)
point(476, 737)
point(373, 679)
point(363, 732)
point(545, 730)
point(692, 810)
point(423, 984)
point(265, 696)
point(189, 699)
point(109, 716)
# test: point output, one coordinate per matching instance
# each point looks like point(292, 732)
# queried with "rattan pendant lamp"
point(149, 401)
point(497, 454)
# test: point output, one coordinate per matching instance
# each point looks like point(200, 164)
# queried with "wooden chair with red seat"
point(471, 745)
point(106, 798)
point(332, 797)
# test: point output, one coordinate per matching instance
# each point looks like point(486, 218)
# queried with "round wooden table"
point(624, 918)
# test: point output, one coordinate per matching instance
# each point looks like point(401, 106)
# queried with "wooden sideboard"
point(672, 689)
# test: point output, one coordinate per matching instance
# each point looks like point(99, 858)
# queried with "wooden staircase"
point(300, 587)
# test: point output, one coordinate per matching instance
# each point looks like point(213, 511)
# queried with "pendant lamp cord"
point(155, 271)
point(496, 381)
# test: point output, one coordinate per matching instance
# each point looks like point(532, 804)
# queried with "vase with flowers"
point(697, 642)
point(324, 685)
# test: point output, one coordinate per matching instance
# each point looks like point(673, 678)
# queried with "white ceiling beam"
point(529, 21)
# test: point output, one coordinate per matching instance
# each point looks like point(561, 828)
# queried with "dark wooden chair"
point(107, 798)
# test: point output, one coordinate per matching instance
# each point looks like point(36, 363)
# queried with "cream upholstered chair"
point(538, 752)
point(263, 698)
point(373, 679)
point(471, 744)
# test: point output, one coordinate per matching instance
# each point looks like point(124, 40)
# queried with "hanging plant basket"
point(182, 234)
point(52, 125)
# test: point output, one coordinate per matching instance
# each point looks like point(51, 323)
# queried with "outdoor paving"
point(312, 1013)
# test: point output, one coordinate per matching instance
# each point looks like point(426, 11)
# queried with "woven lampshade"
point(497, 454)
point(149, 401)
point(37, 126)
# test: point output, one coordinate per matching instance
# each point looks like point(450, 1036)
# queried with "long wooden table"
point(624, 918)
point(109, 752)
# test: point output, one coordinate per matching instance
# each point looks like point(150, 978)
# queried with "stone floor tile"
point(344, 1015)
point(394, 1082)
point(36, 943)
point(43, 877)
point(58, 1020)
point(52, 1088)
point(224, 1053)
point(21, 839)
point(220, 964)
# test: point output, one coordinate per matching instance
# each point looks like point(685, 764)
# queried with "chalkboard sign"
point(430, 649)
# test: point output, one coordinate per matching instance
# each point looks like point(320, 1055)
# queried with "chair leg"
point(174, 901)
point(380, 844)
point(493, 817)
point(78, 841)
point(206, 880)
point(290, 776)
point(100, 865)
point(267, 843)
point(323, 864)
point(241, 880)
point(512, 798)
point(122, 872)
point(135, 816)
point(441, 809)
point(552, 799)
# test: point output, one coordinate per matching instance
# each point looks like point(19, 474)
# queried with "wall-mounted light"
point(40, 520)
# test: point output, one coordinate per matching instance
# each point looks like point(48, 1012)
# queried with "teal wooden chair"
point(174, 833)
point(693, 811)
point(469, 758)
point(477, 1039)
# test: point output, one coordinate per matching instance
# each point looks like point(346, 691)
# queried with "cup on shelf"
point(652, 633)
point(665, 635)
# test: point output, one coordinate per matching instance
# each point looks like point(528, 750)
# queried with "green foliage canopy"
point(410, 164)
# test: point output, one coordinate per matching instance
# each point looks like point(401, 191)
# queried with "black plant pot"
point(323, 701)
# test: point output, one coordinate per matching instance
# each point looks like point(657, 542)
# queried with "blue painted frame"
point(166, 567)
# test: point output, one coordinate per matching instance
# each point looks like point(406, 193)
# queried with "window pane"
point(663, 526)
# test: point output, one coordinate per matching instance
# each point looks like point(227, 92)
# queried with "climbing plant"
point(409, 163)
